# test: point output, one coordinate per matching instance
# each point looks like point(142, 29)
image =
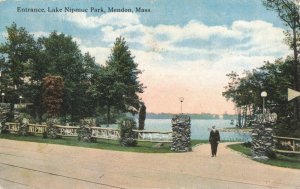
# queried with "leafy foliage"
point(52, 96)
point(116, 85)
point(288, 12)
point(125, 76)
point(274, 78)
point(89, 89)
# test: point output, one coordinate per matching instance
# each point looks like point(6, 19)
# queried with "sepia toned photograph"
point(149, 94)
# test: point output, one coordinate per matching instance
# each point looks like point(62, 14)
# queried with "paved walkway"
point(32, 165)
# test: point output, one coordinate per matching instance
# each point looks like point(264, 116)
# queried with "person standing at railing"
point(214, 139)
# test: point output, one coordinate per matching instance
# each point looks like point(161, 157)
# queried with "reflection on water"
point(199, 128)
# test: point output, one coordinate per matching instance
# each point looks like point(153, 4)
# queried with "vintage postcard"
point(149, 94)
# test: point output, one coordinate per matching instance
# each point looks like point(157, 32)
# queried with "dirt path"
point(33, 165)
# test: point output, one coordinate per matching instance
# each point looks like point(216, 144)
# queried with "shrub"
point(271, 154)
point(247, 144)
point(24, 117)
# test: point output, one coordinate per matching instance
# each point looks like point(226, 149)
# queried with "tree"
point(107, 91)
point(87, 87)
point(125, 71)
point(90, 68)
point(64, 59)
point(124, 85)
point(271, 77)
point(233, 93)
point(19, 50)
point(288, 12)
point(52, 96)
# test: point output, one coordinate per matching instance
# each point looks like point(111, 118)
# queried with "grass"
point(240, 148)
point(144, 147)
point(292, 161)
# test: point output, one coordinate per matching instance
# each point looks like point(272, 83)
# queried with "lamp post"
point(264, 94)
point(20, 97)
point(2, 95)
point(181, 100)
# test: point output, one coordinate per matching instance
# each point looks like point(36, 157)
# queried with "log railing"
point(154, 136)
point(287, 145)
point(35, 128)
point(32, 128)
point(105, 133)
point(70, 131)
point(97, 132)
point(12, 127)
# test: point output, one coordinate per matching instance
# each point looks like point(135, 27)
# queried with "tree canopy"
point(89, 88)
point(275, 78)
point(118, 85)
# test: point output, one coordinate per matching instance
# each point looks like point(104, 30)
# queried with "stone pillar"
point(127, 136)
point(51, 130)
point(181, 128)
point(4, 110)
point(84, 131)
point(262, 141)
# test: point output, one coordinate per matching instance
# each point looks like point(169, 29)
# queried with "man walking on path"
point(214, 139)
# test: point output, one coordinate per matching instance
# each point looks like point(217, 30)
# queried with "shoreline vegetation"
point(193, 116)
point(235, 129)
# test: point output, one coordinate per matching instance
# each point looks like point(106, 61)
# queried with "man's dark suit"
point(214, 139)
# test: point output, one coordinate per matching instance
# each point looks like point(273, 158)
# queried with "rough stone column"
point(51, 131)
point(262, 141)
point(181, 128)
point(84, 131)
point(4, 110)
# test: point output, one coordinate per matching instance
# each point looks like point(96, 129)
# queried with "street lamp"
point(2, 95)
point(20, 97)
point(264, 94)
point(181, 100)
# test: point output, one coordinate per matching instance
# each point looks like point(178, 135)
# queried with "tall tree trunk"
point(296, 110)
point(239, 118)
point(37, 113)
point(142, 117)
point(245, 117)
point(108, 114)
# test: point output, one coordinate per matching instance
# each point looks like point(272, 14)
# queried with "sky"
point(184, 48)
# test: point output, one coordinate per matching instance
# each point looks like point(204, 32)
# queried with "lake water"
point(199, 128)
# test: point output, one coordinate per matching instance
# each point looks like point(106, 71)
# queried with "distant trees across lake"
point(193, 116)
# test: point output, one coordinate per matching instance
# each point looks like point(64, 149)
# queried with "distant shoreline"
point(203, 116)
